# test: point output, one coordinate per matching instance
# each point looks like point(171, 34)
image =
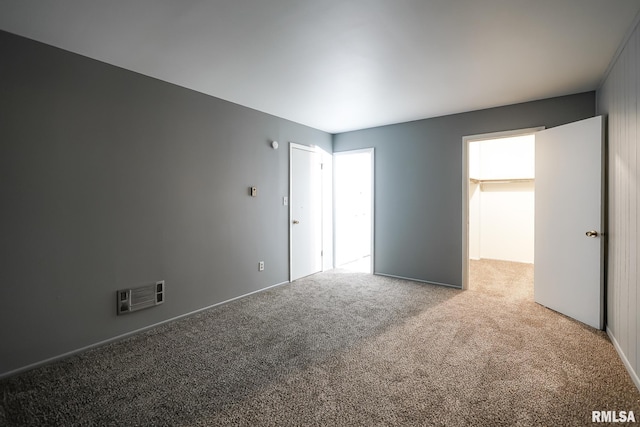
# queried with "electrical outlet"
point(261, 266)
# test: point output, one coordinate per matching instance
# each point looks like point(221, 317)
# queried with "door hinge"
point(321, 166)
point(321, 253)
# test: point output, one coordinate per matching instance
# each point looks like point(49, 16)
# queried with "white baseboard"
point(125, 335)
point(623, 357)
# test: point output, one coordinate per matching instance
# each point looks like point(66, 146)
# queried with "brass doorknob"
point(295, 221)
point(592, 233)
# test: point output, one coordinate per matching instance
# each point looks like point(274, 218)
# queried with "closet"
point(501, 198)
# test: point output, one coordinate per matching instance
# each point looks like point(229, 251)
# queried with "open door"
point(569, 242)
point(305, 204)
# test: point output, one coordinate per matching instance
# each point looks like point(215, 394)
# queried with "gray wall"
point(618, 98)
point(418, 179)
point(109, 179)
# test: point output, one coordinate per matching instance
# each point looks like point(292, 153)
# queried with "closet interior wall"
point(501, 199)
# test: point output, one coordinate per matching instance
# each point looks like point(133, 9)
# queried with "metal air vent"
point(139, 298)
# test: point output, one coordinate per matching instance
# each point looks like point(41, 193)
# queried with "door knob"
point(295, 221)
point(592, 233)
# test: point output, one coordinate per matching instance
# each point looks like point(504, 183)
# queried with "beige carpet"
point(343, 348)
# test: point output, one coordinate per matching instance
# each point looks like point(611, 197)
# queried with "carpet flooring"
point(347, 349)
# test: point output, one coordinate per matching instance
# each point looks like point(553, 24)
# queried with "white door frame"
point(372, 207)
point(466, 140)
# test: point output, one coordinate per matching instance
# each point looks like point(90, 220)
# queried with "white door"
point(353, 195)
point(568, 267)
point(305, 202)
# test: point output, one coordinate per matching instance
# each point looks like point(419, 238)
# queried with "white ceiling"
point(340, 65)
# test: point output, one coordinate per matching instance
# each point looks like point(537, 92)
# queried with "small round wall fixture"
point(274, 144)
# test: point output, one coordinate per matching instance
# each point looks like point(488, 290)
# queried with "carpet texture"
point(343, 348)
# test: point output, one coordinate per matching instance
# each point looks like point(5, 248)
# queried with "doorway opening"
point(498, 201)
point(353, 209)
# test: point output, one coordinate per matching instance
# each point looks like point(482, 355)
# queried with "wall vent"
point(135, 299)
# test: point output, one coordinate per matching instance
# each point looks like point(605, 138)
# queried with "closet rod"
point(500, 181)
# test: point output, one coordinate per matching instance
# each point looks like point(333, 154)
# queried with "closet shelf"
point(501, 180)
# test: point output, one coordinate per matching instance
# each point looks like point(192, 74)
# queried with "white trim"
point(327, 227)
point(625, 361)
point(311, 148)
point(372, 208)
point(429, 282)
point(465, 187)
point(126, 335)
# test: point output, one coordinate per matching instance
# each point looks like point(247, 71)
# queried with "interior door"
point(569, 243)
point(305, 203)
